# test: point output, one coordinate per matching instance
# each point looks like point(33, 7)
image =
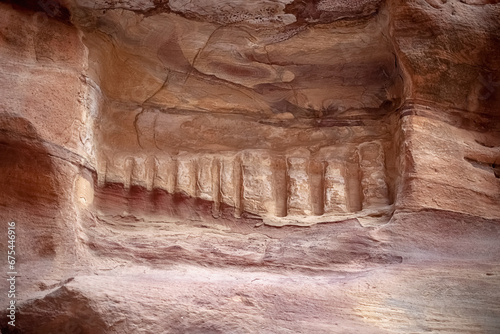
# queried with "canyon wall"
point(251, 166)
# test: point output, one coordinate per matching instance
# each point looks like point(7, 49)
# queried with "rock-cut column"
point(373, 179)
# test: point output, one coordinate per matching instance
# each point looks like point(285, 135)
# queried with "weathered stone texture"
point(253, 166)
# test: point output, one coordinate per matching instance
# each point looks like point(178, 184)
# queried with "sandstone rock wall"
point(46, 142)
point(252, 166)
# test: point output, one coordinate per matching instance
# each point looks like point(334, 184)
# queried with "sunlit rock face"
point(256, 166)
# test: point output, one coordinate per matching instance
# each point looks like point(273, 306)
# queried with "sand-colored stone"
point(251, 166)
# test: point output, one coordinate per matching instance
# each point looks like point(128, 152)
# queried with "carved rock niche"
point(288, 125)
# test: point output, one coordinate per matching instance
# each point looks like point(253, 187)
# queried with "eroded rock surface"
point(252, 166)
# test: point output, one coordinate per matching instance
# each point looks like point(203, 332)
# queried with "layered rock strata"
point(252, 166)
